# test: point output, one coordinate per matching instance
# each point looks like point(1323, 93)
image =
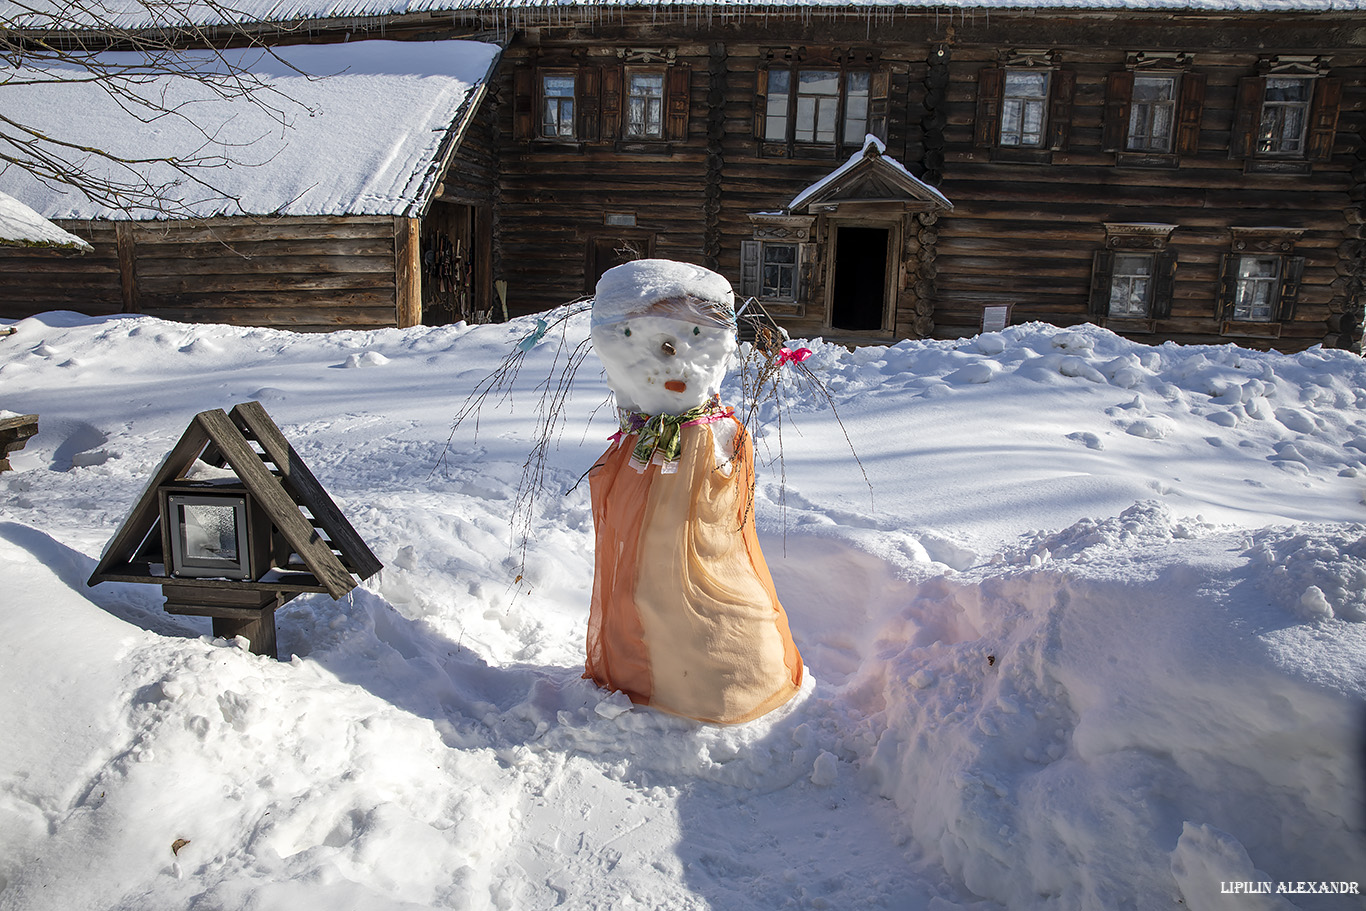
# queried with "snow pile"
point(1054, 663)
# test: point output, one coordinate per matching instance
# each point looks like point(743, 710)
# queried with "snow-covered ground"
point(1084, 632)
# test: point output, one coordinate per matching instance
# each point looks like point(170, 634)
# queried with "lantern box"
point(233, 526)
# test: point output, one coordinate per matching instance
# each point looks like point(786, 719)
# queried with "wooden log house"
point(402, 239)
point(1188, 171)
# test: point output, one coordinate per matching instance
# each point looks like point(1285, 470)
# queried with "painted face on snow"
point(663, 365)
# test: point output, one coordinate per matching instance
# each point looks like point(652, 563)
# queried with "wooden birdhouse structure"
point(233, 526)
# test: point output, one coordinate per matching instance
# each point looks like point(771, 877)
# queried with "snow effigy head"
point(665, 333)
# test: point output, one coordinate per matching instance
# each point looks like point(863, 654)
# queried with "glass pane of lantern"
point(209, 532)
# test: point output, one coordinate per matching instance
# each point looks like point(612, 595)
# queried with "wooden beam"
point(128, 263)
point(302, 484)
point(123, 546)
point(407, 272)
point(283, 511)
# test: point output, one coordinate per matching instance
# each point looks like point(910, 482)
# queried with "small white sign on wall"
point(994, 319)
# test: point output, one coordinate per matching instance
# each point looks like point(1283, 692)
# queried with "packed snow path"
point(1084, 632)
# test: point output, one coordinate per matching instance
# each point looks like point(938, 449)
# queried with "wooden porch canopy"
point(869, 180)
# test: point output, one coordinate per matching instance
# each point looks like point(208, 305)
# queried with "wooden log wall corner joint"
point(407, 272)
point(716, 132)
point(128, 266)
point(935, 118)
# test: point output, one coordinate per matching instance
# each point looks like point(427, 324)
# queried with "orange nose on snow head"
point(676, 386)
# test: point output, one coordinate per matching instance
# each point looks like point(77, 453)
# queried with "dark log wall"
point(306, 274)
point(33, 280)
point(1022, 233)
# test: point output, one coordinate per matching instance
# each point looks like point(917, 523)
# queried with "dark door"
point(606, 251)
point(860, 278)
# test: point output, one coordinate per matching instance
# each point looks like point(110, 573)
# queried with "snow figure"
point(684, 615)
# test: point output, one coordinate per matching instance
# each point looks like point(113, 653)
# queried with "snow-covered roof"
point(362, 133)
point(20, 226)
point(873, 154)
point(157, 14)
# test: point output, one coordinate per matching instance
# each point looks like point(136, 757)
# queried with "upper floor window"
point(816, 106)
point(819, 101)
point(1152, 115)
point(557, 105)
point(1285, 115)
point(1286, 118)
point(1024, 109)
point(1153, 110)
point(645, 105)
point(604, 103)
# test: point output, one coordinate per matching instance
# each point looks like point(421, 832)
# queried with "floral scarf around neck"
point(659, 437)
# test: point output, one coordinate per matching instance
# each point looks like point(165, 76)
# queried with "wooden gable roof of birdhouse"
point(281, 484)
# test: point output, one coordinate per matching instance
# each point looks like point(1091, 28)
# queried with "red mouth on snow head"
point(676, 386)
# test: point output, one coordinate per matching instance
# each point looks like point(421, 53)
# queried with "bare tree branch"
point(174, 71)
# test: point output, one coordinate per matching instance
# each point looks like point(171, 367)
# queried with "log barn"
point(1185, 170)
point(358, 200)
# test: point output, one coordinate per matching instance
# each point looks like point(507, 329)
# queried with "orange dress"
point(684, 615)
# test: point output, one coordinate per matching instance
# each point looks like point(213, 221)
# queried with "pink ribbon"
point(787, 354)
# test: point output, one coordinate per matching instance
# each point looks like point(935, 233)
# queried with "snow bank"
point(1053, 663)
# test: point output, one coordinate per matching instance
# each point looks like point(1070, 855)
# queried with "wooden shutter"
point(612, 80)
point(677, 101)
point(1119, 96)
point(760, 103)
point(1063, 88)
point(1190, 111)
point(588, 98)
point(524, 103)
point(1247, 115)
point(1323, 119)
point(991, 82)
point(1164, 284)
point(1292, 272)
point(879, 103)
point(1228, 284)
point(749, 268)
point(1102, 277)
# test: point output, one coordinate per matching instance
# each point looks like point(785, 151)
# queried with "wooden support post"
point(128, 266)
point(250, 614)
point(407, 271)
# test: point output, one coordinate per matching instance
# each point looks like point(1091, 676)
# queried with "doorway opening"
point(455, 264)
point(860, 288)
point(607, 251)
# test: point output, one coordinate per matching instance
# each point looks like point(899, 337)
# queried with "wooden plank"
point(297, 583)
point(130, 535)
point(304, 486)
point(407, 272)
point(128, 259)
point(283, 511)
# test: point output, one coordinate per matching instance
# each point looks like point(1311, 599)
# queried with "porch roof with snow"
point(869, 176)
point(20, 226)
point(145, 14)
point(360, 128)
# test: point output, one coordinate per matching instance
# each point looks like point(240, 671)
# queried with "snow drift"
point(1083, 631)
